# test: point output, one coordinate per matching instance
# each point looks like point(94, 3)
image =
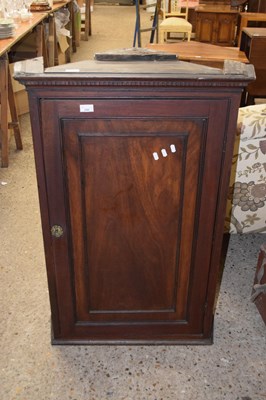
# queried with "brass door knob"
point(57, 231)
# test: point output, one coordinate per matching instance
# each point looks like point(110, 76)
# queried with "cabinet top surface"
point(178, 71)
point(253, 15)
point(260, 32)
point(218, 9)
point(130, 68)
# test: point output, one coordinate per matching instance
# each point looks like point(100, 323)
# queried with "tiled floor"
point(233, 368)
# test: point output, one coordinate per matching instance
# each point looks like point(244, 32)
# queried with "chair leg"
point(161, 36)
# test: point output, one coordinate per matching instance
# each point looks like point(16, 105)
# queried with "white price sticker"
point(86, 108)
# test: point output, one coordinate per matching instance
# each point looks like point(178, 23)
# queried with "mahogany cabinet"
point(133, 161)
point(216, 24)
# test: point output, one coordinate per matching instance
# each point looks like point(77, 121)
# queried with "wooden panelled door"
point(131, 194)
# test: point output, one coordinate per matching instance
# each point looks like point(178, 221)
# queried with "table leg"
point(7, 98)
point(73, 28)
point(41, 44)
point(69, 51)
point(4, 110)
point(52, 42)
point(13, 112)
point(243, 24)
point(87, 29)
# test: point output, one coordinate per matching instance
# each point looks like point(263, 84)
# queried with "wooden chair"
point(155, 18)
point(175, 19)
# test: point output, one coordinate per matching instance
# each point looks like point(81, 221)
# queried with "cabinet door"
point(225, 33)
point(205, 28)
point(130, 186)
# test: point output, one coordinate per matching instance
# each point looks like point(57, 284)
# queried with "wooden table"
point(202, 53)
point(6, 91)
point(247, 17)
point(48, 52)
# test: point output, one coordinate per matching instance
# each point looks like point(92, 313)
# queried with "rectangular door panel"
point(129, 208)
point(225, 29)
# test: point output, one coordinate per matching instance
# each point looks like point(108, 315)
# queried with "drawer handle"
point(57, 231)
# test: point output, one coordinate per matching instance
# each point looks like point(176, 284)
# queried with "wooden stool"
point(7, 99)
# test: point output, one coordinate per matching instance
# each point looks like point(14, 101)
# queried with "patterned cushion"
point(246, 205)
point(252, 122)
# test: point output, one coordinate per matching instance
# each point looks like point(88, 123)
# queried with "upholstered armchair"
point(246, 205)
